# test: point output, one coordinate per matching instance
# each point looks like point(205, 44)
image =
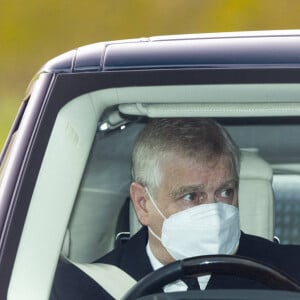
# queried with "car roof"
point(263, 49)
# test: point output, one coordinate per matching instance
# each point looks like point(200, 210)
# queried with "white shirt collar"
point(178, 285)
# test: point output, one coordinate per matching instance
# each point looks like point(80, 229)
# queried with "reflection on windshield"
point(6, 156)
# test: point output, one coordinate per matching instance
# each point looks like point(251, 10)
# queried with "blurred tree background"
point(34, 31)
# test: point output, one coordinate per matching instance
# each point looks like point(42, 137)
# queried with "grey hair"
point(196, 138)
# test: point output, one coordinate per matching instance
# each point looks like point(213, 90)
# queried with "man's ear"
point(137, 193)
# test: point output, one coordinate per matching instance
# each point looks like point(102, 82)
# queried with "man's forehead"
point(179, 172)
point(201, 162)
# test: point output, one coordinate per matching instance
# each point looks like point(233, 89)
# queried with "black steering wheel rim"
point(212, 264)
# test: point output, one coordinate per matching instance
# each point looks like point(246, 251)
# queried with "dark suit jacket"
point(71, 283)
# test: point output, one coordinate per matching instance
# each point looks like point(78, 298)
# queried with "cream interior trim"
point(214, 93)
point(52, 200)
point(102, 274)
point(55, 193)
point(237, 100)
point(211, 109)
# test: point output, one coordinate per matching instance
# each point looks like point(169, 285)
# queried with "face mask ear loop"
point(154, 204)
point(154, 234)
point(158, 210)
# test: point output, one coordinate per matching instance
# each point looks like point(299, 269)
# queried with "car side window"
point(287, 207)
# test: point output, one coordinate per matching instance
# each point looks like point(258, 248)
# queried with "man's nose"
point(209, 198)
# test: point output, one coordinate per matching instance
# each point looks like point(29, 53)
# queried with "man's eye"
point(193, 198)
point(189, 197)
point(228, 193)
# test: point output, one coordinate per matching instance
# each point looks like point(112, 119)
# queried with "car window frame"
point(65, 87)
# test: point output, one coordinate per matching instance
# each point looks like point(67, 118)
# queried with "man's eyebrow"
point(233, 181)
point(182, 190)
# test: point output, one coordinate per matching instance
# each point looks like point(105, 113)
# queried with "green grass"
point(8, 111)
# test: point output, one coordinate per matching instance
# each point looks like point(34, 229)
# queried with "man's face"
point(186, 183)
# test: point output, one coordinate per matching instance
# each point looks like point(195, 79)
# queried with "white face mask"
point(200, 230)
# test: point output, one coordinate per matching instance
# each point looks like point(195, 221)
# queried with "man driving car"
point(185, 194)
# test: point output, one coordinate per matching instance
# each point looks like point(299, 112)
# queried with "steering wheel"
point(216, 264)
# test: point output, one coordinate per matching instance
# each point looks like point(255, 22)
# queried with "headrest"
point(256, 202)
point(254, 167)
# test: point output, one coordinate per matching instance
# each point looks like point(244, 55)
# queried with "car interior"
point(80, 208)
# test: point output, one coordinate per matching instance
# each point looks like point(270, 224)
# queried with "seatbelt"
point(111, 278)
